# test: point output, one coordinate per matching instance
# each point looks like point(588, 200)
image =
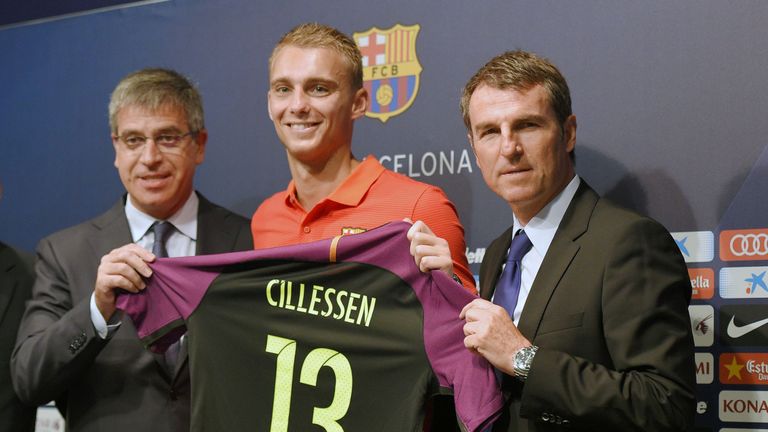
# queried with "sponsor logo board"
point(743, 282)
point(702, 283)
point(696, 246)
point(743, 406)
point(742, 430)
point(705, 367)
point(743, 325)
point(744, 245)
point(743, 368)
point(702, 324)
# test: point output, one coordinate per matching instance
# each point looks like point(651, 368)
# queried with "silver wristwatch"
point(522, 362)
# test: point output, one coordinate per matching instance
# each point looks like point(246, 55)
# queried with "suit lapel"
point(558, 258)
point(112, 230)
point(214, 234)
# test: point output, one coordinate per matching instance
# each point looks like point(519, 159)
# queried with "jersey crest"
point(391, 69)
point(352, 230)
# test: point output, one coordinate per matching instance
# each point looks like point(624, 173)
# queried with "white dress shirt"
point(541, 231)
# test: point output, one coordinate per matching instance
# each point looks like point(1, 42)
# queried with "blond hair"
point(314, 35)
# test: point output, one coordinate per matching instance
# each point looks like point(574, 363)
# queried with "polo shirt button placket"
point(307, 230)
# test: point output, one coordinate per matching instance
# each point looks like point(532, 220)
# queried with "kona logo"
point(744, 406)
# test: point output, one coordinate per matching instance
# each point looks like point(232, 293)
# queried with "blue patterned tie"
point(162, 231)
point(508, 286)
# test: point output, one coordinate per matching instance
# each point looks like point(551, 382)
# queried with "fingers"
point(123, 268)
point(490, 333)
point(432, 258)
point(429, 251)
point(470, 343)
point(417, 227)
point(474, 309)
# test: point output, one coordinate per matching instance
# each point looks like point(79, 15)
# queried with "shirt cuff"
point(104, 329)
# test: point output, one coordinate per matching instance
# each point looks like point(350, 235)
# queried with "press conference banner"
point(669, 96)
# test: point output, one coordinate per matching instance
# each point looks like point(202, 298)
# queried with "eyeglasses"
point(166, 143)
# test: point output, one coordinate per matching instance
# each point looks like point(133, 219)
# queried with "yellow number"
point(326, 417)
point(281, 404)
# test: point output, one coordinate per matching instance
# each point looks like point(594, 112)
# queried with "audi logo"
point(749, 244)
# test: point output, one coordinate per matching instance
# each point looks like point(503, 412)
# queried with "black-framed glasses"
point(165, 142)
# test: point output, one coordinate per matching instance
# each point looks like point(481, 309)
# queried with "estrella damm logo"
point(702, 283)
point(391, 69)
point(744, 368)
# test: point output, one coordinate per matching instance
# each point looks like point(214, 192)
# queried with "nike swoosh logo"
point(736, 331)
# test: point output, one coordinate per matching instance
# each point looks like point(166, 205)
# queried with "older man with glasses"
point(73, 346)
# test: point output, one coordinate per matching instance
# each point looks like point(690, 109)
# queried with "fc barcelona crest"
point(391, 69)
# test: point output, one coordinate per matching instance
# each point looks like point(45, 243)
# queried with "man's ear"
point(269, 105)
point(201, 138)
point(569, 133)
point(115, 143)
point(472, 146)
point(360, 103)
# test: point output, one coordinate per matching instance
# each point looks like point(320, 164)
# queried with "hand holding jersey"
point(429, 251)
point(122, 268)
point(490, 332)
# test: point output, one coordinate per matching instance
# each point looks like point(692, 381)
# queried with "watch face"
point(523, 360)
point(519, 358)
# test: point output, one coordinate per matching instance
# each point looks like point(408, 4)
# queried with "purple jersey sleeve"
point(472, 379)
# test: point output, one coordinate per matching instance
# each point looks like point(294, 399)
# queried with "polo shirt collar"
point(352, 190)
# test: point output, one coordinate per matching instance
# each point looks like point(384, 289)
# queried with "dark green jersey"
point(336, 335)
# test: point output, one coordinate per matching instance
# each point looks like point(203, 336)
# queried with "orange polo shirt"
point(370, 197)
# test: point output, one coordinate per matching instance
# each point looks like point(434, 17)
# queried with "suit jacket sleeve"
point(634, 368)
point(56, 341)
point(57, 344)
point(16, 277)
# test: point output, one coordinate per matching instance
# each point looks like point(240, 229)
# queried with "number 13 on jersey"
point(326, 417)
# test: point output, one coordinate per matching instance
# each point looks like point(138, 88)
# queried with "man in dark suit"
point(590, 328)
point(73, 346)
point(16, 278)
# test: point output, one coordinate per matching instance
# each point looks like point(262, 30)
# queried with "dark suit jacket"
point(16, 278)
point(113, 384)
point(609, 311)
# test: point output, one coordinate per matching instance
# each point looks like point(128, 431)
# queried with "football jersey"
point(344, 334)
